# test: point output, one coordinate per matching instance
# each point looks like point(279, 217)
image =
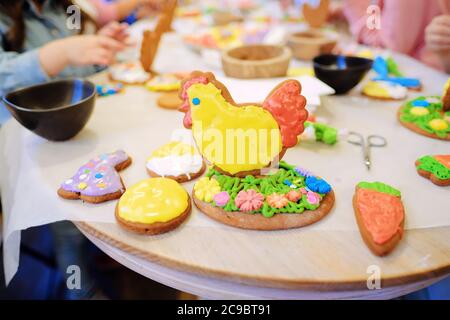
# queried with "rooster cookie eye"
point(196, 101)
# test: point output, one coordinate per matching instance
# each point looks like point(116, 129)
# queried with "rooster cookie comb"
point(241, 139)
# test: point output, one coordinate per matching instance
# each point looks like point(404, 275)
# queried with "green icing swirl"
point(267, 186)
point(422, 122)
point(380, 187)
point(430, 164)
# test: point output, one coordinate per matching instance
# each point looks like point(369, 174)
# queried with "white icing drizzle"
point(129, 73)
point(173, 165)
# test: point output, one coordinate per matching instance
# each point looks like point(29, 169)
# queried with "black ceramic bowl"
point(55, 110)
point(341, 79)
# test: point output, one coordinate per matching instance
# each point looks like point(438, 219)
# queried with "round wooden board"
point(292, 259)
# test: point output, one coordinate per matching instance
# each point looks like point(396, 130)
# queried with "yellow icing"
point(174, 148)
point(223, 131)
point(438, 124)
point(373, 89)
point(419, 111)
point(205, 189)
point(153, 200)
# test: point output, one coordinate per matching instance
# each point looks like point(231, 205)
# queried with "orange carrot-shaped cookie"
point(380, 216)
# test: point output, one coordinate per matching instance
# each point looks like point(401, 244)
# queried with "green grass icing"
point(430, 164)
point(267, 185)
point(380, 187)
point(423, 121)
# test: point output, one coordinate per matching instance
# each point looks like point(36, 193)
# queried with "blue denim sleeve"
point(20, 69)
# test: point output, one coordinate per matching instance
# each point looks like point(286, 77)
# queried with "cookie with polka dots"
point(98, 180)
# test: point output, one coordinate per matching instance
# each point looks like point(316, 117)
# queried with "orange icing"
point(381, 213)
point(444, 159)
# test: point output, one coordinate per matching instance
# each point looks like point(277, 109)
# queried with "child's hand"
point(91, 49)
point(78, 51)
point(115, 30)
point(437, 34)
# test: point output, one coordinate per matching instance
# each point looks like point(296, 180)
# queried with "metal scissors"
point(371, 141)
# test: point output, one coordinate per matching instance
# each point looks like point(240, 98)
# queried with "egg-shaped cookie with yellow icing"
point(176, 160)
point(153, 206)
point(384, 90)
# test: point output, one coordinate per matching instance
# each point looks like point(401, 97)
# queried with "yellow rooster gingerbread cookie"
point(241, 139)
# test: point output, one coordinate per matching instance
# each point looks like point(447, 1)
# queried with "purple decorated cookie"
point(97, 179)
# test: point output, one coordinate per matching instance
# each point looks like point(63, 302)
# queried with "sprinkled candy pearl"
point(438, 124)
point(101, 185)
point(82, 186)
point(99, 176)
point(83, 176)
point(70, 181)
point(419, 111)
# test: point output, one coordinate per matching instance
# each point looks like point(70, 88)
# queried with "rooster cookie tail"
point(287, 106)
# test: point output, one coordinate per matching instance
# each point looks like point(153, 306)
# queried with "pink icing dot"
point(313, 198)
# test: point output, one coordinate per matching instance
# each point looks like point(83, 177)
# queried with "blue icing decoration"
point(317, 185)
point(420, 103)
point(196, 101)
point(99, 176)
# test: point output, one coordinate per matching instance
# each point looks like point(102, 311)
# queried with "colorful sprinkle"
point(82, 185)
point(98, 176)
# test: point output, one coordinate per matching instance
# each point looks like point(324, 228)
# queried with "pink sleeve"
point(397, 32)
point(106, 11)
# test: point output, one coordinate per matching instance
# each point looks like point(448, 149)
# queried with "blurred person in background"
point(400, 27)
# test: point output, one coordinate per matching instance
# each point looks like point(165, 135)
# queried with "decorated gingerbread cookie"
point(384, 90)
point(98, 180)
point(153, 206)
point(164, 82)
point(435, 168)
point(380, 216)
point(315, 12)
point(241, 139)
point(290, 198)
point(426, 116)
point(129, 73)
point(176, 160)
point(169, 100)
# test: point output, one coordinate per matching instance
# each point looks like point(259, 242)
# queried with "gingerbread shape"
point(380, 216)
point(176, 160)
point(98, 180)
point(435, 168)
point(426, 116)
point(273, 126)
point(316, 16)
point(384, 90)
point(153, 206)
